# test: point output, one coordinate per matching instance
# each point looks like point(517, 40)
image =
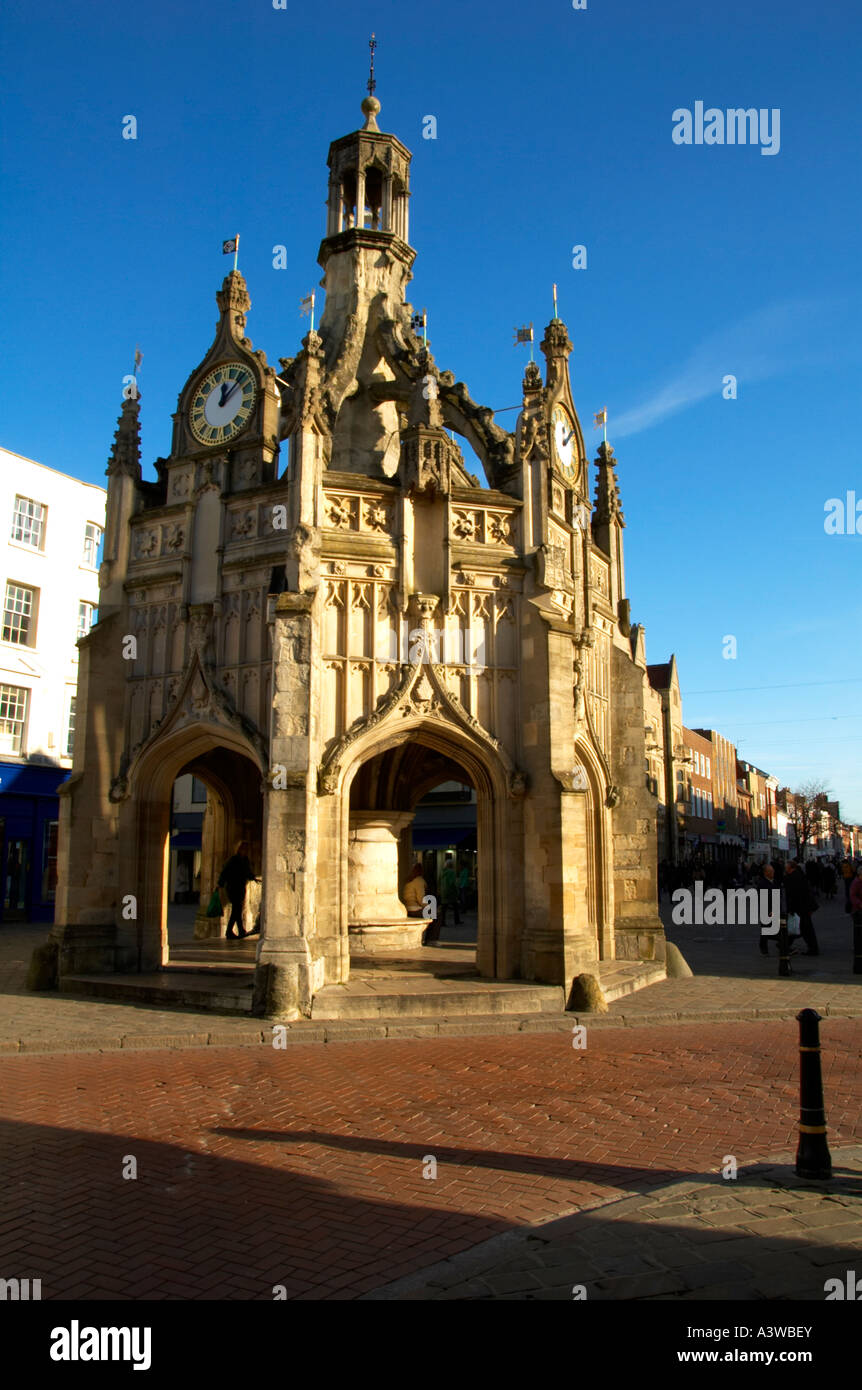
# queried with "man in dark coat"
point(767, 883)
point(236, 873)
point(798, 893)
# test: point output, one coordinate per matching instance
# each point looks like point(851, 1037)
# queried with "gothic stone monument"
point(320, 612)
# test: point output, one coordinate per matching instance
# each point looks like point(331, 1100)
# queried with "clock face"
point(222, 403)
point(564, 440)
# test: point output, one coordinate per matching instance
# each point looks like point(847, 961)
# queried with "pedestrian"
point(413, 898)
point(856, 896)
point(800, 900)
point(449, 893)
point(181, 886)
point(847, 873)
point(463, 885)
point(236, 873)
point(766, 883)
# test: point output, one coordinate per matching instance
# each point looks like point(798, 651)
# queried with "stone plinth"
point(377, 918)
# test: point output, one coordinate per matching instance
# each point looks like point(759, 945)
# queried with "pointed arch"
point(146, 813)
point(599, 886)
point(498, 813)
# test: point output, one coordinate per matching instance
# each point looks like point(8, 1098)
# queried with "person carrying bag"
point(214, 906)
point(236, 873)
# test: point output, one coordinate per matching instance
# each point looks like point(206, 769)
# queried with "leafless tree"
point(804, 807)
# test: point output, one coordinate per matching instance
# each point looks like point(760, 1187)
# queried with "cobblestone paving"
point(765, 1235)
point(304, 1167)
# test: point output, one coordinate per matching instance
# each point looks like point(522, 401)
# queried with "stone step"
point(168, 989)
point(433, 998)
point(398, 993)
point(620, 977)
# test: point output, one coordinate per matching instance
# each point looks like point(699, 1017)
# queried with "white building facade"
point(52, 528)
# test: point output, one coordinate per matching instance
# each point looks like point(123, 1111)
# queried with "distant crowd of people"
point(801, 885)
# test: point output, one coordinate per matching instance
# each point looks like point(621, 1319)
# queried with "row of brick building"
point(715, 807)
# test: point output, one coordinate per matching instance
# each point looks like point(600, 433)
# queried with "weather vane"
point(372, 44)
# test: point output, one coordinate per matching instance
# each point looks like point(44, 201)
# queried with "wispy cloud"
point(775, 339)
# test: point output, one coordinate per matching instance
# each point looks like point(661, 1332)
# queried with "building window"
point(13, 718)
point(199, 791)
point(708, 773)
point(18, 615)
point(70, 727)
point(86, 617)
point(92, 541)
point(28, 523)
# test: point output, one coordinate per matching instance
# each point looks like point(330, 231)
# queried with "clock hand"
point(225, 398)
point(224, 393)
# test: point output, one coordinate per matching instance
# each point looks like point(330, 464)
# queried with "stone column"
point(287, 973)
point(386, 208)
point(210, 868)
point(91, 886)
point(377, 918)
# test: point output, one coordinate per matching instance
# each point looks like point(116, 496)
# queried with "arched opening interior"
point(216, 808)
point(348, 200)
point(412, 805)
point(373, 198)
point(196, 799)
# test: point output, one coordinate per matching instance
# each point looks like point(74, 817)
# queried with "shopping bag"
point(793, 924)
point(214, 907)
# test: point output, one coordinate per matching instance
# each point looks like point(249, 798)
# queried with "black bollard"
point(783, 949)
point(813, 1159)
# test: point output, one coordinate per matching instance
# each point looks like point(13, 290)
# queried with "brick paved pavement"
point(765, 1235)
point(304, 1167)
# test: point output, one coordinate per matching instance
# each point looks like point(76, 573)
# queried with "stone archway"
point(231, 770)
point(380, 768)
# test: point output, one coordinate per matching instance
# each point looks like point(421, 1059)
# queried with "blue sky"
point(553, 130)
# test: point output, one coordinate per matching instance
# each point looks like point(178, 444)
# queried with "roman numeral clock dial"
point(563, 433)
point(222, 404)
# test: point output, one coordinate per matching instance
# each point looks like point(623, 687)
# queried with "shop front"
point(29, 815)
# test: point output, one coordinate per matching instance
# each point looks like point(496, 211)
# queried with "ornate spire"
point(233, 298)
point(532, 379)
point(430, 462)
point(126, 450)
point(425, 408)
point(556, 345)
point(608, 504)
point(556, 342)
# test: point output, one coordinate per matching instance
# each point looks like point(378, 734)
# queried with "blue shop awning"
point(31, 779)
point(432, 838)
point(186, 839)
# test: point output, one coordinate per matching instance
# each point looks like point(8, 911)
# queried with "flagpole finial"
point(370, 104)
point(372, 44)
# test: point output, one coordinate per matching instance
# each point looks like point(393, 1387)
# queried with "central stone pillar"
point(377, 919)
